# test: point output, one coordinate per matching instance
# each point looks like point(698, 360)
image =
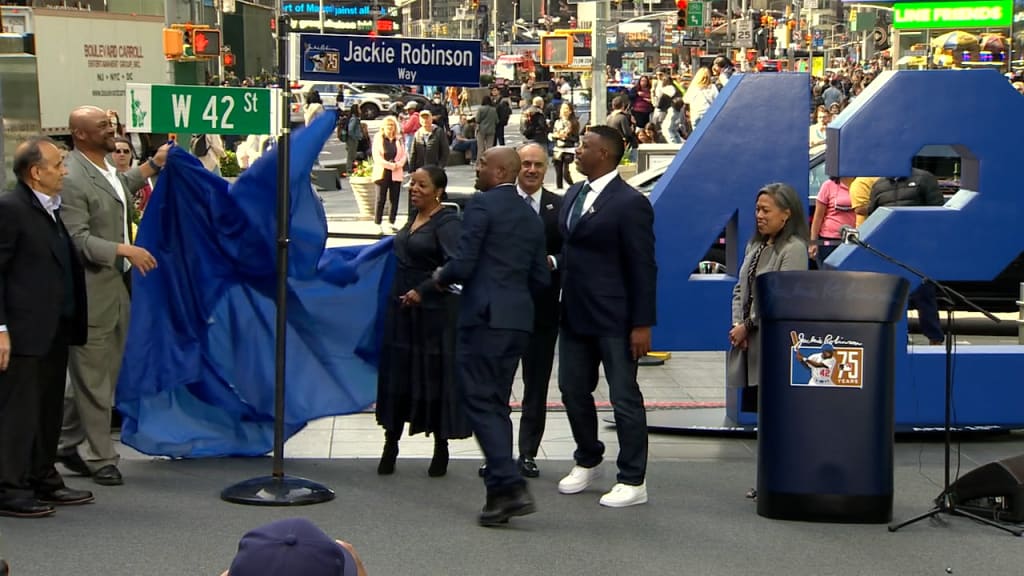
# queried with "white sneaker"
point(623, 495)
point(578, 479)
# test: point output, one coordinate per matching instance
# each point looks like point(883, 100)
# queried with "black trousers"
point(562, 169)
point(578, 360)
point(537, 362)
point(387, 191)
point(499, 135)
point(486, 360)
point(31, 413)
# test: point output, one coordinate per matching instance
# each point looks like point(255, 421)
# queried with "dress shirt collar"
point(50, 203)
point(599, 184)
point(535, 196)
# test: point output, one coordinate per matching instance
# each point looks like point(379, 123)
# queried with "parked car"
point(997, 295)
point(328, 91)
point(398, 96)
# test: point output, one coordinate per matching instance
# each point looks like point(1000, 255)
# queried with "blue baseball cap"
point(293, 546)
point(827, 348)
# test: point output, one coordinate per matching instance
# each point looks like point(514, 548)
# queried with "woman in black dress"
point(416, 380)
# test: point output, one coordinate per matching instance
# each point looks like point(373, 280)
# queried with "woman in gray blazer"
point(780, 243)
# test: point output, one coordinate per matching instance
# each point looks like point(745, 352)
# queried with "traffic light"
point(229, 59)
point(206, 42)
point(681, 20)
point(174, 43)
point(556, 50)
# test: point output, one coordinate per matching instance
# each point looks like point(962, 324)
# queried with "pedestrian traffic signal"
point(681, 19)
point(229, 60)
point(206, 42)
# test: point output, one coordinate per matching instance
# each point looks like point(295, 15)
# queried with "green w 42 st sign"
point(164, 108)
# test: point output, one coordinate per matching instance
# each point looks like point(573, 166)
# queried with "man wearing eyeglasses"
point(97, 211)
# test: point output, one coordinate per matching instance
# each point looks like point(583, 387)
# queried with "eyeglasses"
point(122, 151)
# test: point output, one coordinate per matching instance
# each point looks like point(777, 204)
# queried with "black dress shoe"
point(528, 467)
point(74, 463)
point(65, 496)
point(25, 508)
point(482, 471)
point(502, 506)
point(109, 475)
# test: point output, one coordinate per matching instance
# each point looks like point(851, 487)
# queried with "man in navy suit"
point(608, 307)
point(500, 262)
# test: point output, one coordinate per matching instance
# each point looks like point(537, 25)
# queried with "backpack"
point(200, 147)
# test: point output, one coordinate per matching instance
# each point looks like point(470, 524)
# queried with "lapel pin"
point(550, 206)
point(591, 211)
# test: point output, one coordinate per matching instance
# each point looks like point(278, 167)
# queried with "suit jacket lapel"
point(98, 180)
point(29, 196)
point(569, 200)
point(600, 202)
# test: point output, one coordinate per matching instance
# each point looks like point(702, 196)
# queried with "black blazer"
point(32, 275)
point(607, 263)
point(546, 301)
point(501, 261)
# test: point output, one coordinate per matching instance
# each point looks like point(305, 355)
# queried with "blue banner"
point(420, 61)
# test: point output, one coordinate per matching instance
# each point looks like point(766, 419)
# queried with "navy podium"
point(827, 377)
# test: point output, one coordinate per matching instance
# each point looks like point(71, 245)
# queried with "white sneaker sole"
point(581, 488)
point(636, 502)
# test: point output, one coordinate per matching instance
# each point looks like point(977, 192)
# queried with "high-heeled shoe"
point(439, 463)
point(388, 457)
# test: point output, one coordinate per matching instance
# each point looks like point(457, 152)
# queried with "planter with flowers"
point(363, 188)
point(627, 168)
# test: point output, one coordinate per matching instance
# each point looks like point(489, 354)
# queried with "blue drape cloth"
point(198, 373)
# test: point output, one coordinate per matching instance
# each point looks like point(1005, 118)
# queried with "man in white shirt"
point(98, 215)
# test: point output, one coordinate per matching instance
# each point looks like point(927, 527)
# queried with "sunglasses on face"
point(122, 151)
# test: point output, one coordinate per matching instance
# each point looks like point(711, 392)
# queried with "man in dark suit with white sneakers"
point(608, 308)
point(500, 263)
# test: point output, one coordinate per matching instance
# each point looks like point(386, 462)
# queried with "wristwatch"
point(156, 167)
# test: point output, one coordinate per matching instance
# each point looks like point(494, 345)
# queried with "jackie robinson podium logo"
point(826, 361)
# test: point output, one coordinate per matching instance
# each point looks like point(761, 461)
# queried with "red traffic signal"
point(206, 42)
point(229, 60)
point(682, 4)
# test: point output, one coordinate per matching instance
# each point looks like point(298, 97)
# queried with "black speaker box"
point(995, 489)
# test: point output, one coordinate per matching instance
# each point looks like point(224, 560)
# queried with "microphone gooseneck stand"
point(944, 503)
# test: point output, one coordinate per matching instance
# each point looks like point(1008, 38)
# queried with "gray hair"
point(540, 147)
point(785, 198)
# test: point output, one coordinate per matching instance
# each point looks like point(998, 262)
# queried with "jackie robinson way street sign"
point(161, 108)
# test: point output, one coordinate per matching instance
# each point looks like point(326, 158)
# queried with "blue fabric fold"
point(198, 374)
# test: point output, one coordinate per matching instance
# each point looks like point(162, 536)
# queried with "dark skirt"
point(416, 380)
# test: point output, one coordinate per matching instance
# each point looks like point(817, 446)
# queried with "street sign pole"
point(279, 489)
point(599, 50)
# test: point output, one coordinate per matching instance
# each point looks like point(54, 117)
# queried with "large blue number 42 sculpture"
point(756, 132)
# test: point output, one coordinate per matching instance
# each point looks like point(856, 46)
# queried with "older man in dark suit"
point(608, 307)
point(42, 312)
point(501, 263)
point(540, 352)
point(98, 213)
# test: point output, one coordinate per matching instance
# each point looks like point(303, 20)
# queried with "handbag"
point(736, 368)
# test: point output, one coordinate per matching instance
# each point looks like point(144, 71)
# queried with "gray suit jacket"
point(790, 255)
point(94, 217)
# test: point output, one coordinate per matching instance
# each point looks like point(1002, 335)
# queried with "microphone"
point(849, 235)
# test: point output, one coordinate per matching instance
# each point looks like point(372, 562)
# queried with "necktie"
point(577, 207)
point(530, 202)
